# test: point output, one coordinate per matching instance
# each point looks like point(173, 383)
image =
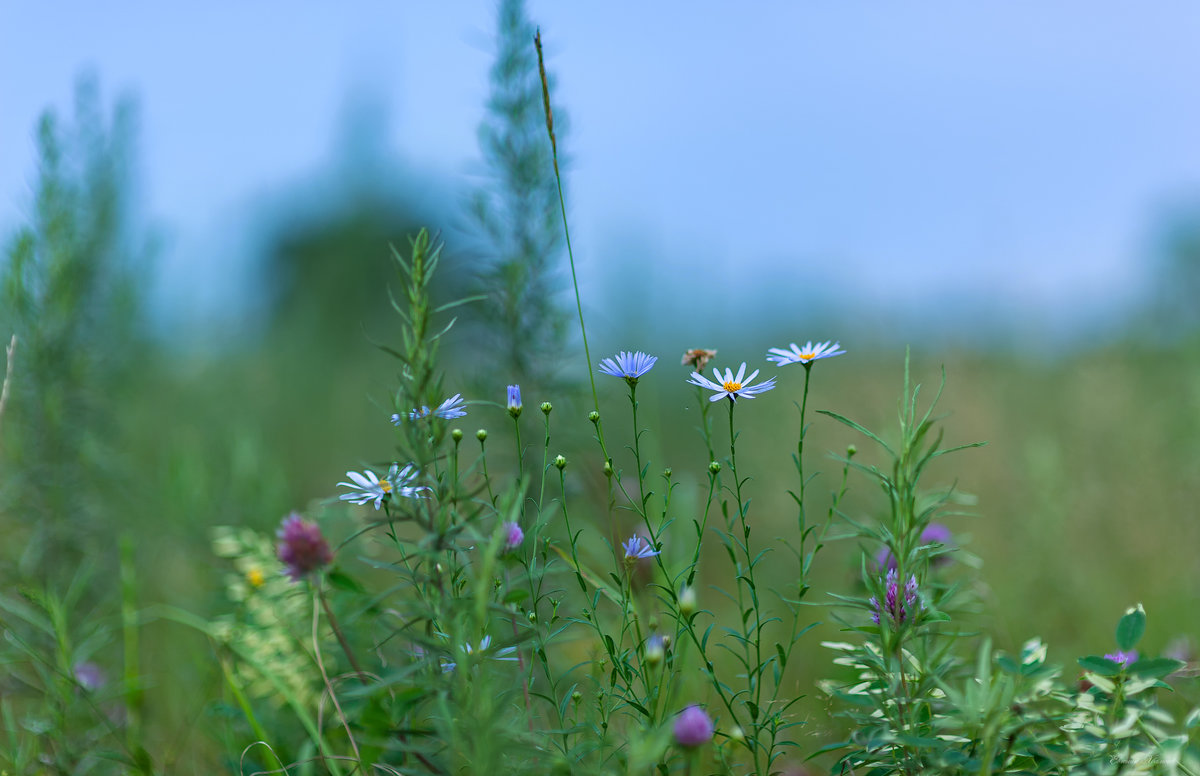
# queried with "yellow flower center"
point(731, 386)
point(385, 486)
point(807, 356)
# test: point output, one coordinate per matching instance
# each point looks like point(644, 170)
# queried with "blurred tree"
point(520, 329)
point(1174, 312)
point(326, 264)
point(70, 285)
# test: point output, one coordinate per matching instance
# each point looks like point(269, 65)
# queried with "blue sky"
point(1005, 156)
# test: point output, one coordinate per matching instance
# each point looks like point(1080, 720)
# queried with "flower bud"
point(514, 401)
point(532, 616)
point(608, 470)
point(714, 467)
point(851, 450)
point(654, 650)
point(667, 473)
point(560, 462)
point(577, 696)
point(687, 601)
point(737, 734)
point(547, 407)
point(594, 416)
point(693, 727)
point(481, 434)
point(513, 536)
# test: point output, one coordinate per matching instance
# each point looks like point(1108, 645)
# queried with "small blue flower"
point(803, 355)
point(514, 400)
point(638, 548)
point(631, 366)
point(448, 410)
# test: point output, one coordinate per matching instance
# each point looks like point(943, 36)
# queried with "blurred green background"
point(126, 422)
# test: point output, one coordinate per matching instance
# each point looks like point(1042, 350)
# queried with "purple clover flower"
point(934, 533)
point(302, 549)
point(513, 536)
point(1124, 658)
point(897, 606)
point(89, 675)
point(693, 727)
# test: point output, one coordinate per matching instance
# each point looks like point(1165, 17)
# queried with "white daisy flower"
point(804, 355)
point(733, 387)
point(368, 487)
point(505, 653)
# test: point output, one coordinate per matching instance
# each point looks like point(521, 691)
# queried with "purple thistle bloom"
point(513, 536)
point(693, 727)
point(638, 548)
point(1124, 658)
point(302, 549)
point(897, 606)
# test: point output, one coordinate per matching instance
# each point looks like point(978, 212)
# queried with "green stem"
point(562, 204)
point(337, 631)
point(637, 457)
point(753, 676)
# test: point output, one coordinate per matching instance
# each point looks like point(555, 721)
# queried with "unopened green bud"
point(481, 434)
point(608, 468)
point(714, 467)
point(594, 416)
point(456, 435)
point(667, 473)
point(577, 696)
point(546, 407)
point(532, 616)
point(654, 650)
point(737, 734)
point(851, 450)
point(560, 462)
point(687, 601)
